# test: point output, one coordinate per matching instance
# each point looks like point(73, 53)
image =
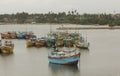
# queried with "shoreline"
point(37, 24)
point(69, 26)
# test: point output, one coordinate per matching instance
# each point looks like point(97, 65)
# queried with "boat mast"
point(0, 37)
point(50, 28)
point(86, 37)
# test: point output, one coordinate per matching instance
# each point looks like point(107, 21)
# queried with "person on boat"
point(5, 43)
point(10, 44)
point(55, 48)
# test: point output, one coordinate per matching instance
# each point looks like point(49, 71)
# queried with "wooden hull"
point(6, 49)
point(30, 44)
point(38, 44)
point(5, 36)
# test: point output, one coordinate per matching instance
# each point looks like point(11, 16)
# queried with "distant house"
point(33, 22)
point(116, 15)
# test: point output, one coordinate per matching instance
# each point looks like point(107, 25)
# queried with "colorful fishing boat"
point(50, 40)
point(20, 35)
point(68, 57)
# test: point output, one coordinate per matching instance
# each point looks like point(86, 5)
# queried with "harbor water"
point(101, 59)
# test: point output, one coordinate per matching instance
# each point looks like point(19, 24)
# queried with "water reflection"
point(5, 55)
point(86, 50)
point(65, 70)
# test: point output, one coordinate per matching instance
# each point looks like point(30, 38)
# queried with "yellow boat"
point(7, 47)
point(29, 43)
point(5, 35)
point(40, 42)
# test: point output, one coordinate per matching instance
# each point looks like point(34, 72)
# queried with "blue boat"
point(64, 57)
point(21, 35)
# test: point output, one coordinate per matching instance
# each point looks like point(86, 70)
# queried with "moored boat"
point(40, 42)
point(68, 57)
point(7, 47)
point(31, 42)
point(20, 35)
point(29, 35)
point(50, 40)
point(82, 43)
point(5, 35)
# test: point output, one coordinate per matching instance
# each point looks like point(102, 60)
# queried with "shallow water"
point(102, 58)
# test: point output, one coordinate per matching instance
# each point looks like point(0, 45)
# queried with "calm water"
point(102, 58)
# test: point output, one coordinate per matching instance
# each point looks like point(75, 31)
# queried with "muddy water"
point(102, 58)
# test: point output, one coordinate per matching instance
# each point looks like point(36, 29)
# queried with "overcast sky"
point(44, 6)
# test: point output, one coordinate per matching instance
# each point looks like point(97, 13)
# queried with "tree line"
point(72, 17)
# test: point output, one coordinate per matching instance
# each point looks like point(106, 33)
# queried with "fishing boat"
point(29, 35)
point(82, 43)
point(31, 42)
point(7, 47)
point(13, 35)
point(67, 57)
point(50, 40)
point(20, 35)
point(40, 42)
point(5, 35)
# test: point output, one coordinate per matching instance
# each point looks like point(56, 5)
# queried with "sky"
point(44, 6)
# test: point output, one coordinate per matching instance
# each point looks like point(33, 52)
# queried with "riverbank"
point(37, 24)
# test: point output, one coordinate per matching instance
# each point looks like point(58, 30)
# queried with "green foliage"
point(72, 17)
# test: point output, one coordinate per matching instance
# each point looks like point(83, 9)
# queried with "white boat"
point(82, 43)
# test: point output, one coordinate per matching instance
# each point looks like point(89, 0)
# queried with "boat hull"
point(21, 36)
point(30, 44)
point(66, 61)
point(6, 49)
point(38, 44)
